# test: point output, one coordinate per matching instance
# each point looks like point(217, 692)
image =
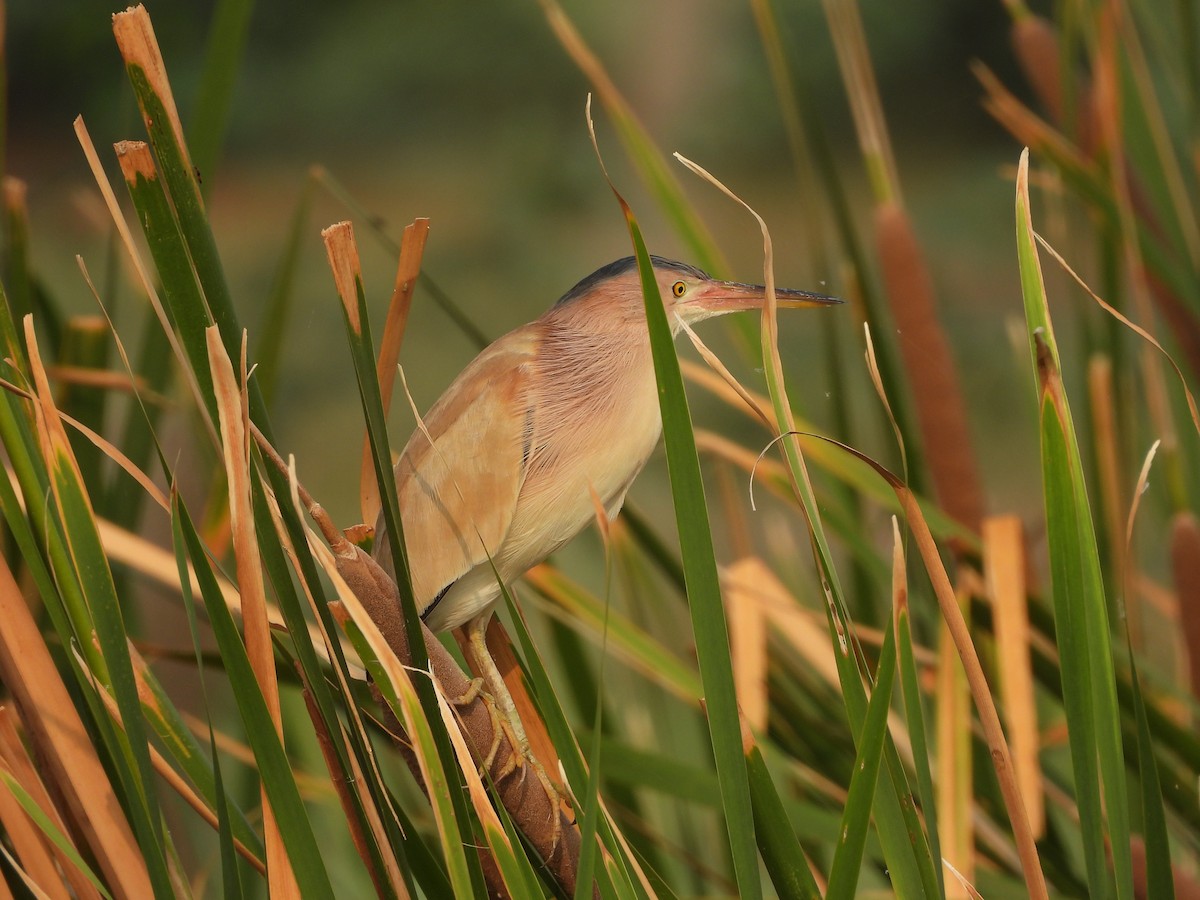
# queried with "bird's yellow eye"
point(678, 288)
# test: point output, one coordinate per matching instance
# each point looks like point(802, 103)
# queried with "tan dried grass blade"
point(62, 743)
point(31, 846)
point(235, 431)
point(748, 642)
point(954, 776)
point(1004, 566)
point(1107, 447)
point(347, 269)
point(412, 248)
point(164, 769)
point(21, 767)
point(1023, 124)
point(989, 718)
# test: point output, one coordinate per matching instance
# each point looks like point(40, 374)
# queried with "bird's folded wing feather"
point(458, 495)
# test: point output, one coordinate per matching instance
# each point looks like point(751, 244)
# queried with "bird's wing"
point(458, 494)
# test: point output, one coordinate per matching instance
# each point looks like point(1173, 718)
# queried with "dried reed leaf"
point(748, 642)
point(62, 745)
point(1004, 565)
point(163, 767)
point(102, 378)
point(936, 391)
point(1132, 326)
point(235, 444)
point(412, 248)
point(17, 762)
point(985, 704)
point(31, 847)
point(1107, 448)
point(751, 401)
point(954, 774)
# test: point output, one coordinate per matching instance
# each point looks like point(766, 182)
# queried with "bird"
point(502, 470)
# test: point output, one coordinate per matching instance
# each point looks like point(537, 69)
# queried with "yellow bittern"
point(501, 471)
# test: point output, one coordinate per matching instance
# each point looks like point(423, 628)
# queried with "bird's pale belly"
point(554, 505)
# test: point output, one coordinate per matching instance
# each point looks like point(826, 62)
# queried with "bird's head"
point(688, 294)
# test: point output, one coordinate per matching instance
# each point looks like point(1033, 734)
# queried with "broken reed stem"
point(412, 248)
point(139, 49)
point(941, 409)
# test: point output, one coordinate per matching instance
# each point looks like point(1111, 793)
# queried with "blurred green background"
point(473, 115)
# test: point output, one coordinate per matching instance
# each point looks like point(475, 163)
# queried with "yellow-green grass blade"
point(180, 289)
point(273, 329)
point(584, 611)
point(856, 819)
point(445, 796)
point(226, 824)
point(570, 756)
point(271, 761)
point(85, 347)
point(781, 852)
point(801, 112)
point(227, 37)
point(910, 864)
point(90, 565)
point(343, 257)
point(1081, 612)
point(317, 679)
point(910, 691)
point(588, 822)
point(700, 573)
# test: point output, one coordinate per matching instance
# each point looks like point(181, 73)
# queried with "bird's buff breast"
point(600, 447)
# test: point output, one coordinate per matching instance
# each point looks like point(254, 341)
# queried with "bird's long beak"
point(718, 297)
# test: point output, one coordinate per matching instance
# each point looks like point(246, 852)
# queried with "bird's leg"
point(506, 719)
point(483, 663)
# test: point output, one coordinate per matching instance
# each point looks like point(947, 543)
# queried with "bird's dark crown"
point(621, 267)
